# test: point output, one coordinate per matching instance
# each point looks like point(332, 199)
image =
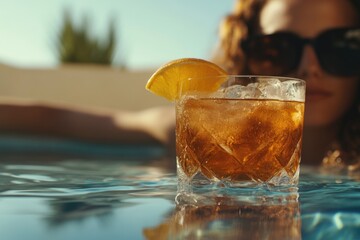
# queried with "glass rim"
point(228, 76)
point(226, 81)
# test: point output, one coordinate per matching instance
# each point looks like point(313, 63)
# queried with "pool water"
point(65, 197)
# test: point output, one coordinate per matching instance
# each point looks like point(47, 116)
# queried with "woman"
point(315, 40)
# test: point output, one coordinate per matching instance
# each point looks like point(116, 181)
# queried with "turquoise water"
point(67, 197)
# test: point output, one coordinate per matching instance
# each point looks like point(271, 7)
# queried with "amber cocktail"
point(247, 133)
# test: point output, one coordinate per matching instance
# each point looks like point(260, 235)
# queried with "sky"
point(149, 32)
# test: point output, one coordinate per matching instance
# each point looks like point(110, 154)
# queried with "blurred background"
point(99, 53)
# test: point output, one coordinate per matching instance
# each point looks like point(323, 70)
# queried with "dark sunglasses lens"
point(274, 54)
point(339, 52)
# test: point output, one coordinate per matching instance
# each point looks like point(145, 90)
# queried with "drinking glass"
point(246, 135)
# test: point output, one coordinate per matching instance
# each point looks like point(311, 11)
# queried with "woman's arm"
point(149, 126)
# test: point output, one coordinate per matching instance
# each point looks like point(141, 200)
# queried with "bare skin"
point(151, 126)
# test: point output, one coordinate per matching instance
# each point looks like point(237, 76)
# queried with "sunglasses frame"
point(337, 49)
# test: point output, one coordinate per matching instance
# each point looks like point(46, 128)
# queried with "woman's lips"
point(316, 94)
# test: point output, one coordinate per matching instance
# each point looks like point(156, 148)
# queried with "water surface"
point(64, 197)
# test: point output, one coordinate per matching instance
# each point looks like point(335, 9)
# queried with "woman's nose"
point(309, 66)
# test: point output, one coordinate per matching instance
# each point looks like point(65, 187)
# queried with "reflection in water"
point(230, 222)
point(66, 210)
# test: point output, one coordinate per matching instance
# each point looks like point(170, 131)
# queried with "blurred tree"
point(76, 45)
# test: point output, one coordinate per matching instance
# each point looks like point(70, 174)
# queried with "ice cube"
point(270, 88)
point(291, 90)
point(242, 92)
point(218, 94)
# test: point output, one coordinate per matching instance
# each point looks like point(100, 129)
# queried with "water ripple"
point(74, 178)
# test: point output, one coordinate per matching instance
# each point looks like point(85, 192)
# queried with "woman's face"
point(328, 97)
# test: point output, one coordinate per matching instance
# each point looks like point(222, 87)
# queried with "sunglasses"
point(337, 50)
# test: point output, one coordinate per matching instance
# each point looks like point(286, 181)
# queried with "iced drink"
point(249, 132)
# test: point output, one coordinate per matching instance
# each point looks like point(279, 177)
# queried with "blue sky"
point(150, 32)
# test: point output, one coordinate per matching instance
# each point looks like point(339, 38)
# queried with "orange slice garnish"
point(169, 78)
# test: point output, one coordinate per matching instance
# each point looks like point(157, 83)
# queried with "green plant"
point(76, 45)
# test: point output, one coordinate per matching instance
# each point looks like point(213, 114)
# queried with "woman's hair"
point(243, 22)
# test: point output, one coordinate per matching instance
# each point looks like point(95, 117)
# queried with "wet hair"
point(242, 22)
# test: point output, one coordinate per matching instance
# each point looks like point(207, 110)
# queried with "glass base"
point(230, 196)
point(199, 190)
